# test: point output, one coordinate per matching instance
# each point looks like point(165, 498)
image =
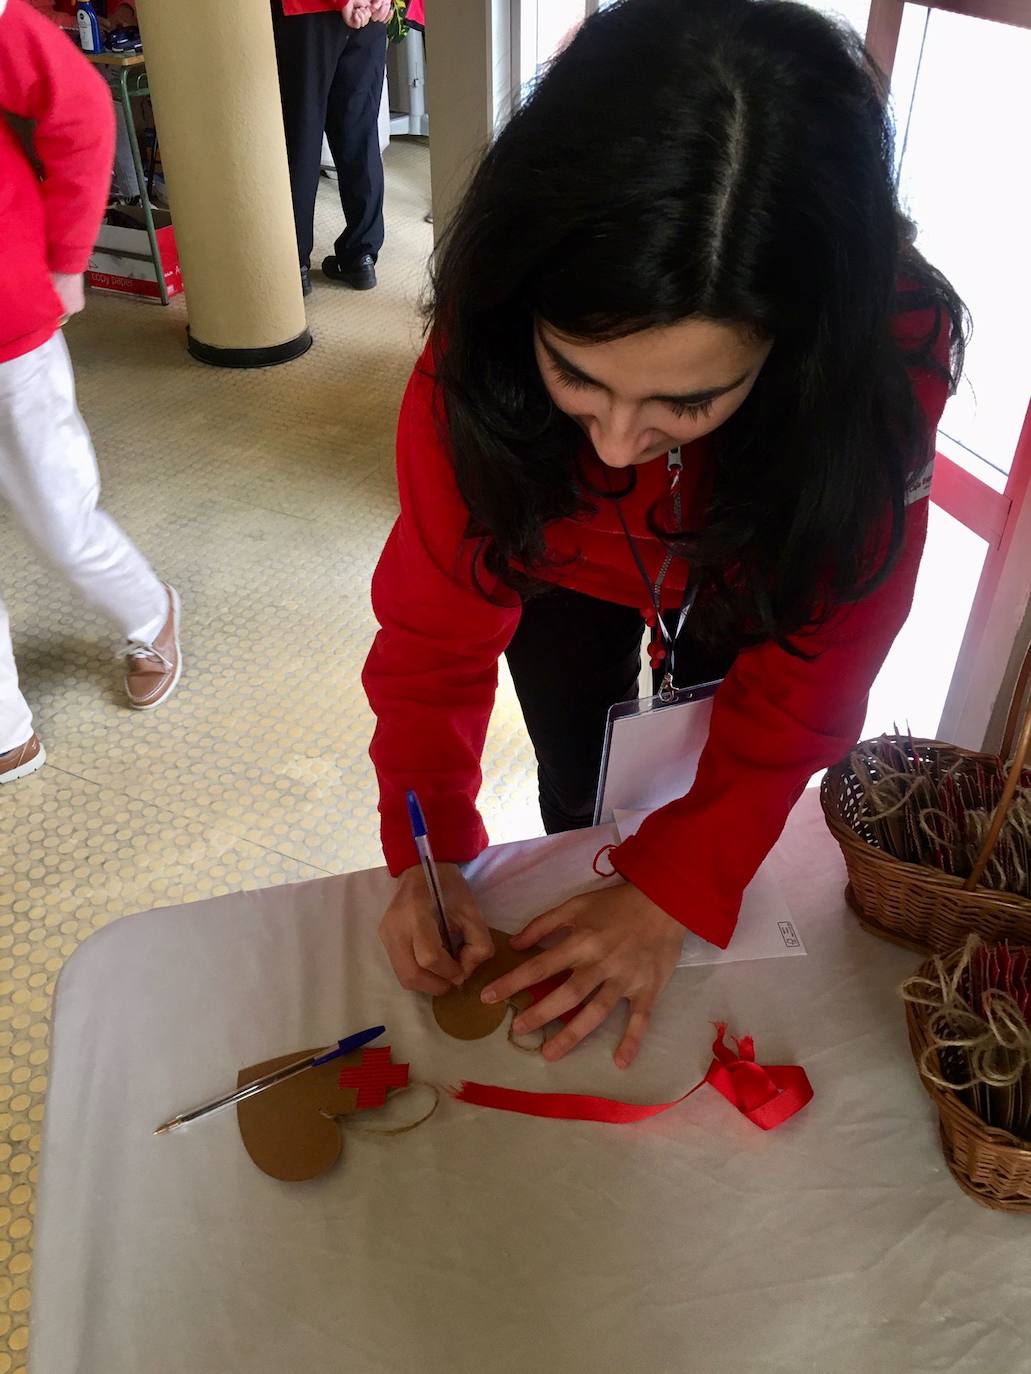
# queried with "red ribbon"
point(766, 1096)
point(605, 850)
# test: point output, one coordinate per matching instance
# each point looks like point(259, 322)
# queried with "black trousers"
point(331, 81)
point(572, 658)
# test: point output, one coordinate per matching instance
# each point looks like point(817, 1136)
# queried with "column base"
point(271, 356)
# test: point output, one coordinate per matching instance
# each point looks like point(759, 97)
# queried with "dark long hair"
point(727, 159)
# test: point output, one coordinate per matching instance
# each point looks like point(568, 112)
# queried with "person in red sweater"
point(52, 197)
point(331, 83)
point(687, 241)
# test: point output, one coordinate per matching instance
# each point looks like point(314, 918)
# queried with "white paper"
point(516, 882)
point(765, 930)
point(652, 757)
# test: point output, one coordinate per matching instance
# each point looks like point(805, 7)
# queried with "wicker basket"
point(911, 904)
point(991, 1165)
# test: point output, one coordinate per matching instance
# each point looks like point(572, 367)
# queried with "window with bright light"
point(962, 99)
point(556, 21)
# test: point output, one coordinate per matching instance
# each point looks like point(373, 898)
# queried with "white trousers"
point(49, 478)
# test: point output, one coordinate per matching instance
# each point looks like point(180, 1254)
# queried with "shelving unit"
point(131, 84)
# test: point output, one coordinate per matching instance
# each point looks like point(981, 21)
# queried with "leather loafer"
point(359, 275)
point(20, 762)
point(152, 670)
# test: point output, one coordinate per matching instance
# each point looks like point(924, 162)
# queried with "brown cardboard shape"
point(291, 1131)
point(460, 1012)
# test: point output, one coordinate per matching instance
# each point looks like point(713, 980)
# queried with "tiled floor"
point(265, 498)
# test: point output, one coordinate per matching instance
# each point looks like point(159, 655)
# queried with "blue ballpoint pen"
point(342, 1047)
point(422, 845)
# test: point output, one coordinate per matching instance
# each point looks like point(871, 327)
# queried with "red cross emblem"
point(373, 1076)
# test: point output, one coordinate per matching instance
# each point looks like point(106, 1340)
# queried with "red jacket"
point(49, 223)
point(311, 6)
point(432, 673)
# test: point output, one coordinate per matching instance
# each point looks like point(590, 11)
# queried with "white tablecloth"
point(484, 1241)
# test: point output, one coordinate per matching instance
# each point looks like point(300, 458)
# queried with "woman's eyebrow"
point(691, 398)
point(698, 398)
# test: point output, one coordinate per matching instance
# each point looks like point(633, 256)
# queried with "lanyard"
point(668, 640)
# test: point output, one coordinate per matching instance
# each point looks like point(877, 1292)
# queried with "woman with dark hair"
point(688, 239)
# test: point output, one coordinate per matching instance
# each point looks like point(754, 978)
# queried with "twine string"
point(996, 1044)
point(939, 814)
point(349, 1124)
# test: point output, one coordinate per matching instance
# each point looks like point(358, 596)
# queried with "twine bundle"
point(937, 811)
point(979, 1041)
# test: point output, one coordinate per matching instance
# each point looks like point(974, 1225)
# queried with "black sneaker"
point(360, 275)
point(305, 282)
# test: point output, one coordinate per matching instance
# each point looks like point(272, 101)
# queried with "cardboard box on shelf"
point(121, 262)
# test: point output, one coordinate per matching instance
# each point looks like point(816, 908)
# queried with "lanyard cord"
point(654, 590)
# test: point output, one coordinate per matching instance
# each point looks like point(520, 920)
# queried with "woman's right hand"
point(356, 13)
point(412, 940)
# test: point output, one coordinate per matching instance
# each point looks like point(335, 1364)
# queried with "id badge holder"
point(651, 750)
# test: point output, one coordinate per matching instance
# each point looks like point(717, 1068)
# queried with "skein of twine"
point(997, 1045)
point(894, 791)
point(1006, 869)
point(896, 786)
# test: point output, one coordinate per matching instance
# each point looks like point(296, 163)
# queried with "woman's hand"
point(69, 288)
point(357, 13)
point(411, 937)
point(380, 11)
point(620, 945)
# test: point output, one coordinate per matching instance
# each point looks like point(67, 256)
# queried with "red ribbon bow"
point(766, 1096)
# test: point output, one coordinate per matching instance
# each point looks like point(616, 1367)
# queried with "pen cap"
point(415, 816)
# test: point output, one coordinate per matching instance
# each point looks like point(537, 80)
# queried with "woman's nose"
point(616, 437)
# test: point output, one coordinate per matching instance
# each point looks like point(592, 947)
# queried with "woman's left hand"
point(619, 945)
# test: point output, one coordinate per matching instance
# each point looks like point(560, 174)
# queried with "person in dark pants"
point(332, 62)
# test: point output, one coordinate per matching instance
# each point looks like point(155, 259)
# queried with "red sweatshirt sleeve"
point(431, 688)
point(776, 721)
point(44, 78)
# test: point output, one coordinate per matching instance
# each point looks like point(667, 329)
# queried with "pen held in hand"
point(429, 867)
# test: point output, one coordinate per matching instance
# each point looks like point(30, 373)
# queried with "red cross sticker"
point(373, 1076)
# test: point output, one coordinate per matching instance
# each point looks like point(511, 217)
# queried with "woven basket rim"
point(946, 1099)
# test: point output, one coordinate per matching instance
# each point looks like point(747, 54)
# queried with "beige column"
point(212, 71)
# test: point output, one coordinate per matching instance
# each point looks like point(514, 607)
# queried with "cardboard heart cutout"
point(292, 1131)
point(460, 1013)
